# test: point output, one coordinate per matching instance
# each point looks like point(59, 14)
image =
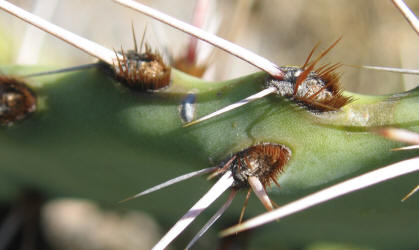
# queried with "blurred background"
point(374, 33)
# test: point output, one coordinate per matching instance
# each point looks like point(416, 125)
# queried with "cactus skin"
point(94, 138)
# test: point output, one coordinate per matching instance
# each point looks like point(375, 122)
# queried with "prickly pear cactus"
point(92, 137)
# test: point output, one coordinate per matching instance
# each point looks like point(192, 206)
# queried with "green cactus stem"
point(92, 137)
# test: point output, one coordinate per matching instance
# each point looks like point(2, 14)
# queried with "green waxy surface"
point(94, 138)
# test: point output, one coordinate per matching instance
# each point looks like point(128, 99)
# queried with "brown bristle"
point(17, 100)
point(310, 55)
point(323, 71)
point(311, 65)
point(330, 83)
point(264, 161)
point(331, 80)
point(320, 69)
point(142, 71)
point(317, 90)
point(249, 192)
point(302, 78)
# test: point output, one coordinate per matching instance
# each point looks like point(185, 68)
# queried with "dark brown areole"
point(264, 161)
point(317, 90)
point(142, 71)
point(17, 100)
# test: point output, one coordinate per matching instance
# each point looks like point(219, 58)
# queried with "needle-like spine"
point(220, 43)
point(260, 192)
point(217, 189)
point(171, 182)
point(69, 69)
point(411, 193)
point(408, 14)
point(340, 189)
point(213, 219)
point(87, 46)
point(387, 69)
point(240, 103)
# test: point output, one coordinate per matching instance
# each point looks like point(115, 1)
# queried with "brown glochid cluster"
point(142, 71)
point(317, 89)
point(17, 100)
point(264, 161)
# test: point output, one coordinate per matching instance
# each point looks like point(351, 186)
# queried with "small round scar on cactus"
point(17, 100)
point(253, 168)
